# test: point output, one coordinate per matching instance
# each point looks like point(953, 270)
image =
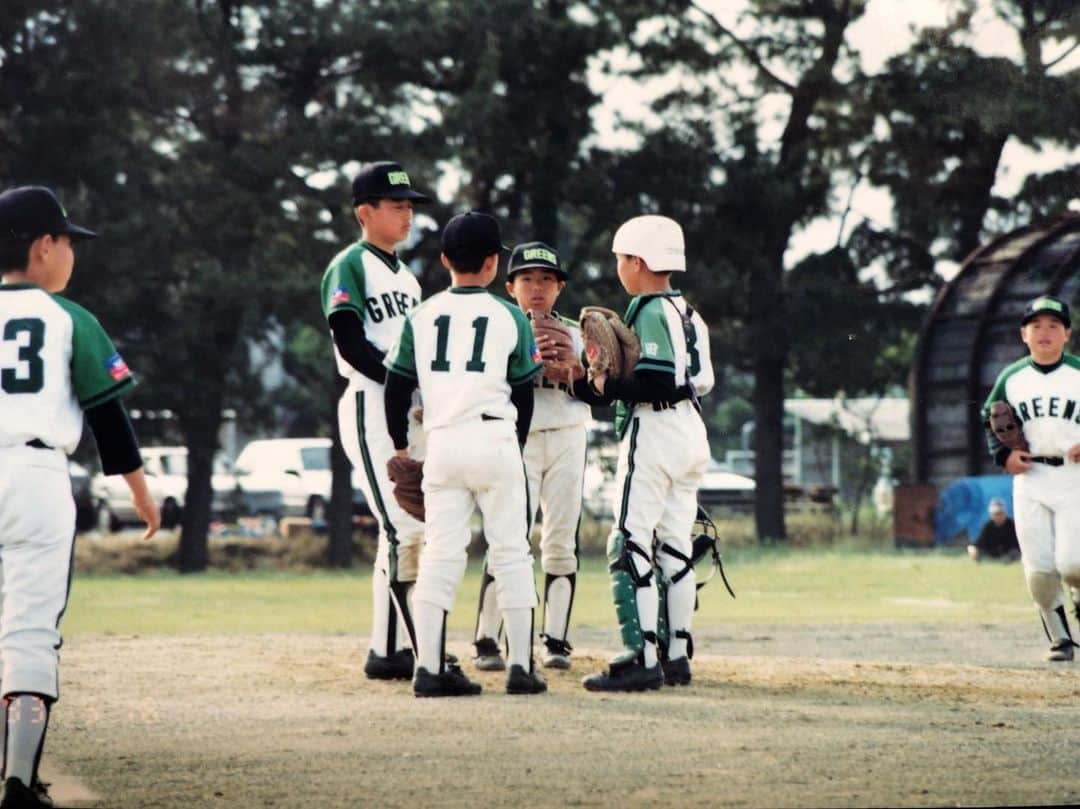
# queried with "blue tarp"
point(962, 506)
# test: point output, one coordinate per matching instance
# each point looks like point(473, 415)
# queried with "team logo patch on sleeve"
point(340, 296)
point(652, 349)
point(535, 353)
point(117, 368)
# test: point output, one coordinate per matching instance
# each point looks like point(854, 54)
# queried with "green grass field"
point(772, 585)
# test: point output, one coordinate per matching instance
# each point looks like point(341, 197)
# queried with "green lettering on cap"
point(397, 178)
point(534, 253)
point(1047, 303)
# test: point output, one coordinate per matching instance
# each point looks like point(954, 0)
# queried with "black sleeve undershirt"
point(115, 437)
point(522, 397)
point(584, 392)
point(353, 345)
point(645, 386)
point(397, 398)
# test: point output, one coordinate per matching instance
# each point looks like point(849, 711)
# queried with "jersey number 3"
point(442, 337)
point(29, 375)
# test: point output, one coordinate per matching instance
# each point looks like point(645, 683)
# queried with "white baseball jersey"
point(378, 287)
point(466, 349)
point(554, 404)
point(1047, 402)
point(668, 346)
point(55, 362)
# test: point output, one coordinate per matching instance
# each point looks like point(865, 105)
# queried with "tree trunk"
point(768, 400)
point(194, 551)
point(339, 520)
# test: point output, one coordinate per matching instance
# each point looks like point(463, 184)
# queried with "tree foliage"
point(212, 143)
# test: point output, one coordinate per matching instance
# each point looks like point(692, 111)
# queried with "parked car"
point(719, 489)
point(298, 468)
point(723, 489)
point(166, 477)
point(85, 512)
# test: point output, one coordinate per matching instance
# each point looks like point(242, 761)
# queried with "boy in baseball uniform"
point(663, 453)
point(367, 291)
point(56, 364)
point(1043, 389)
point(554, 459)
point(473, 357)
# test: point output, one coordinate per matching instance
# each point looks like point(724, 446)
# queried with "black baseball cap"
point(384, 180)
point(1047, 305)
point(32, 211)
point(535, 256)
point(472, 235)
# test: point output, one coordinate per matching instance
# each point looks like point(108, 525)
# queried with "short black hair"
point(468, 264)
point(14, 254)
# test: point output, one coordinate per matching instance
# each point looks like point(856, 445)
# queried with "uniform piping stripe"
point(107, 394)
point(63, 607)
point(629, 476)
point(369, 470)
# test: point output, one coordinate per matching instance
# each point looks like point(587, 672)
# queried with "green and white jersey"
point(667, 346)
point(55, 362)
point(1046, 400)
point(554, 405)
point(465, 348)
point(375, 285)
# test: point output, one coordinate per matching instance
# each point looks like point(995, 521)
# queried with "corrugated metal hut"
point(972, 332)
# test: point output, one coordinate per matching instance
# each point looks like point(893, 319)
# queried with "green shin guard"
point(663, 629)
point(625, 582)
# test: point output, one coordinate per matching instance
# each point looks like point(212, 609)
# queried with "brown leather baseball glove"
point(553, 338)
point(610, 347)
point(407, 476)
point(1005, 425)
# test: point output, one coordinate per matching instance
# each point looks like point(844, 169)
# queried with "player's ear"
point(562, 286)
point(510, 289)
point(445, 261)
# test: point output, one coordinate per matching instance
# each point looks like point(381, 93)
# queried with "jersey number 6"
point(442, 327)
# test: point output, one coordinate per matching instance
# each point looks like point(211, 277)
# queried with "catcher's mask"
point(706, 542)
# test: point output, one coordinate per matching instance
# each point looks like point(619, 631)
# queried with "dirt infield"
point(858, 715)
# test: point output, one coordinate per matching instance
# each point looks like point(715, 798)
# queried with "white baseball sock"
point(519, 628)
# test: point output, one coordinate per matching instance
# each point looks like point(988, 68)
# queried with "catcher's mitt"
point(1005, 425)
point(610, 347)
point(407, 476)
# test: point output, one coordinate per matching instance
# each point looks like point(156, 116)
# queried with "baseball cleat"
point(395, 666)
point(626, 674)
point(19, 796)
point(1062, 650)
point(488, 655)
point(676, 672)
point(558, 654)
point(449, 683)
point(519, 681)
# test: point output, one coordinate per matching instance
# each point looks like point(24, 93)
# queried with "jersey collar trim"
point(389, 259)
point(1046, 369)
point(18, 285)
point(468, 290)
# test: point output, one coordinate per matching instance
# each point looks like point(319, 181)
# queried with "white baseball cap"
point(656, 239)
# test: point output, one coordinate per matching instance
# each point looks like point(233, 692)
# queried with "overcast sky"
point(885, 30)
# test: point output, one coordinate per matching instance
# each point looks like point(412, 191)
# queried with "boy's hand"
point(149, 513)
point(1073, 455)
point(1018, 462)
point(598, 383)
point(144, 503)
